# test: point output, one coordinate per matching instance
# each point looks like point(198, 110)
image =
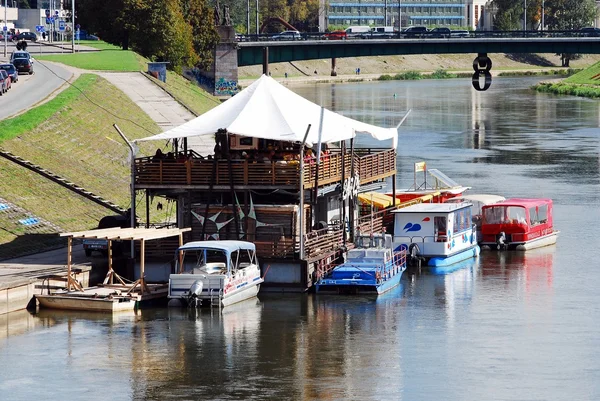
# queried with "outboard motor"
point(414, 255)
point(193, 296)
point(501, 240)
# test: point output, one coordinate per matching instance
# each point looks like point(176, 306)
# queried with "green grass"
point(105, 60)
point(187, 93)
point(72, 136)
point(29, 120)
point(98, 44)
point(589, 76)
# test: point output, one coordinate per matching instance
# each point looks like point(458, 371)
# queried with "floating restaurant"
point(285, 175)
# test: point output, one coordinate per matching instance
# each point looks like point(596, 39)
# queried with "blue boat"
point(372, 267)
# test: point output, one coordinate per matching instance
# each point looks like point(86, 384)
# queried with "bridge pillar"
point(266, 60)
point(222, 78)
point(333, 67)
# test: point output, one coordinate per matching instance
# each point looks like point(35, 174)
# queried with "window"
point(543, 214)
point(440, 227)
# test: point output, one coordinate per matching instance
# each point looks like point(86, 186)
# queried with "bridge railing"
point(312, 36)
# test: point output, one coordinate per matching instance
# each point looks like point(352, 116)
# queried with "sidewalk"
point(165, 111)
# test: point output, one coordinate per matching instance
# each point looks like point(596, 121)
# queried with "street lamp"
point(5, 30)
point(399, 17)
point(525, 17)
point(542, 15)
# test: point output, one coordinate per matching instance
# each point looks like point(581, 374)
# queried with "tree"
point(569, 15)
point(204, 35)
point(509, 15)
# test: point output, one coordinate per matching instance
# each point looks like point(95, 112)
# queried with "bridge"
point(238, 51)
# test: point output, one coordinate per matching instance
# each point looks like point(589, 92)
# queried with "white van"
point(356, 31)
point(383, 32)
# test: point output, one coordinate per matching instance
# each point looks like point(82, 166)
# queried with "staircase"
point(63, 182)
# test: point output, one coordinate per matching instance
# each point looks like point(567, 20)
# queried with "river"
point(509, 326)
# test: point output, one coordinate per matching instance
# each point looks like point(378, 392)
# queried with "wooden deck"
point(195, 173)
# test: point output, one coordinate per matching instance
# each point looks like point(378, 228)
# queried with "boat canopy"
point(268, 110)
point(227, 246)
point(376, 199)
point(485, 199)
point(434, 207)
point(523, 202)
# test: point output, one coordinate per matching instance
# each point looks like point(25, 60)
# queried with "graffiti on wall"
point(225, 88)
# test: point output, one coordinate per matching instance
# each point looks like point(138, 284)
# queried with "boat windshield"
point(365, 241)
point(505, 215)
point(207, 261)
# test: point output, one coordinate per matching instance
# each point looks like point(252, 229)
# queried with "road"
point(32, 89)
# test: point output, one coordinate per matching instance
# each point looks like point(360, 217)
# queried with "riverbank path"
point(161, 107)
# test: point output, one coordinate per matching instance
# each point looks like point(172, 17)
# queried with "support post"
point(266, 60)
point(333, 67)
point(301, 212)
point(343, 202)
point(72, 26)
point(351, 200)
point(132, 210)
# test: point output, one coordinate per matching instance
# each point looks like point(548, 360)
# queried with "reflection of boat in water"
point(532, 267)
point(441, 234)
point(219, 273)
point(519, 224)
point(371, 267)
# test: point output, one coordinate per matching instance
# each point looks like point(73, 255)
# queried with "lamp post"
point(248, 17)
point(5, 30)
point(385, 19)
point(72, 26)
point(525, 17)
point(257, 32)
point(399, 17)
point(542, 15)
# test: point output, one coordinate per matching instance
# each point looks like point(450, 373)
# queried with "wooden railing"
point(323, 241)
point(370, 164)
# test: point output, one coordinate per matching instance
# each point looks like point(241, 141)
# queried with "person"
point(44, 35)
point(159, 155)
point(358, 71)
point(286, 74)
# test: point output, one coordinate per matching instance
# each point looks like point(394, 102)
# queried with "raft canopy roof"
point(268, 110)
point(145, 234)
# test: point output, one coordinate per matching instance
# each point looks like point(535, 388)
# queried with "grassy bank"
point(585, 83)
point(104, 60)
point(72, 136)
point(443, 74)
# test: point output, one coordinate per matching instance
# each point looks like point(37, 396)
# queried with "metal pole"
point(6, 30)
point(257, 32)
point(385, 19)
point(525, 17)
point(132, 150)
point(301, 211)
point(542, 15)
point(248, 17)
point(399, 17)
point(72, 26)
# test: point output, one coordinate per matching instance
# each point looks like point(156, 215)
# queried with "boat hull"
point(540, 242)
point(358, 286)
point(445, 261)
point(86, 304)
point(213, 290)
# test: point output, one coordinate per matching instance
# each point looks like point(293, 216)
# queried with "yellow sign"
point(420, 166)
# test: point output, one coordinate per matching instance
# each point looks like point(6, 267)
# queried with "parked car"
point(20, 54)
point(10, 37)
point(12, 72)
point(440, 32)
point(7, 79)
point(590, 31)
point(287, 35)
point(23, 65)
point(335, 35)
point(380, 32)
point(415, 32)
point(459, 34)
point(31, 36)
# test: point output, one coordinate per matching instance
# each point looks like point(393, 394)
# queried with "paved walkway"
point(158, 104)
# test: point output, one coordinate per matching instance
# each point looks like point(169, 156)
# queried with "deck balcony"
point(197, 173)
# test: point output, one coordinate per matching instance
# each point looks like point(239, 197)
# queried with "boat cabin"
point(215, 257)
point(517, 222)
point(435, 229)
point(478, 201)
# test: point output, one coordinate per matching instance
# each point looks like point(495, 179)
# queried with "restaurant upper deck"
point(194, 172)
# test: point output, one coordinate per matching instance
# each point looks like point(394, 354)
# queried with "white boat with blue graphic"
point(215, 273)
point(440, 234)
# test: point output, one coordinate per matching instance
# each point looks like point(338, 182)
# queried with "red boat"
point(519, 224)
point(440, 186)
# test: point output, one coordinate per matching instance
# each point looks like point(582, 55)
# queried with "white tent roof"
point(266, 109)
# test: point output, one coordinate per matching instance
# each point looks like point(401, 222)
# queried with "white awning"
point(266, 109)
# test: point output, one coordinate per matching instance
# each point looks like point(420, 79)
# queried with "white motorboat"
point(216, 273)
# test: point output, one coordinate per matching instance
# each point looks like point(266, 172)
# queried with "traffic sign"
point(56, 13)
point(47, 13)
point(39, 28)
point(61, 25)
point(49, 20)
point(4, 28)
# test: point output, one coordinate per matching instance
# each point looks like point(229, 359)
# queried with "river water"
point(509, 326)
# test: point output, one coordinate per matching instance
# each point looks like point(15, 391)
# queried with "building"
point(456, 13)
